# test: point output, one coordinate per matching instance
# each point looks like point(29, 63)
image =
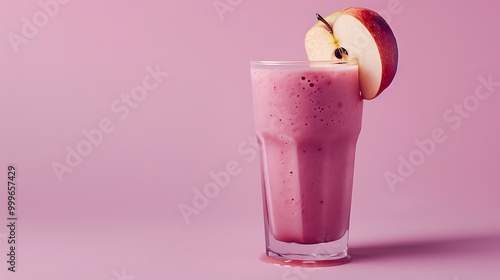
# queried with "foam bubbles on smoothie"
point(323, 109)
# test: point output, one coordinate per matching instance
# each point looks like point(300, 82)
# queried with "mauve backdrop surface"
point(114, 213)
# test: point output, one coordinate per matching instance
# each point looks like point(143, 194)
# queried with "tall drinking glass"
point(307, 119)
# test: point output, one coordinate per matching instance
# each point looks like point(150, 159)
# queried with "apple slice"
point(357, 34)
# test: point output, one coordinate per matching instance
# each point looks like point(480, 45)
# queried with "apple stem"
point(340, 52)
point(320, 18)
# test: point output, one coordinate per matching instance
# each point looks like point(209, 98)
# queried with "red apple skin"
point(385, 39)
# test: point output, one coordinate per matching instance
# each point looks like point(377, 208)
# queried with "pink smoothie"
point(308, 120)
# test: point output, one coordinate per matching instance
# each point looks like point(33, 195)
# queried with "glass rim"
point(301, 63)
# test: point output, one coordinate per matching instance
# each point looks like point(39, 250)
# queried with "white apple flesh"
point(367, 38)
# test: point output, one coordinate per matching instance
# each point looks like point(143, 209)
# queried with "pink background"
point(116, 214)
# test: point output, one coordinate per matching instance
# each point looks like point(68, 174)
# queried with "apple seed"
point(341, 53)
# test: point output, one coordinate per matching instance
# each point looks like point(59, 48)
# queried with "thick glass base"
point(326, 251)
